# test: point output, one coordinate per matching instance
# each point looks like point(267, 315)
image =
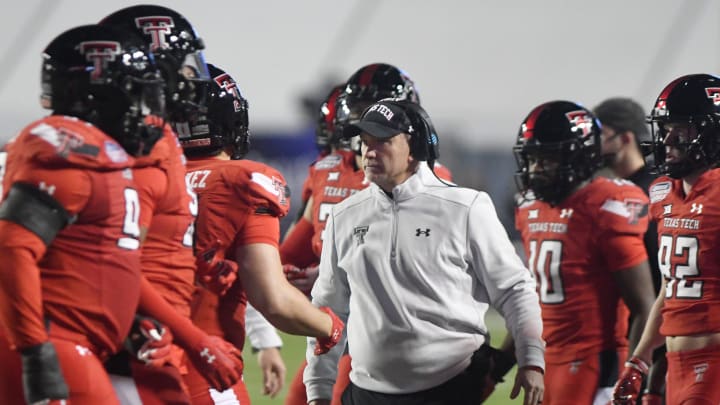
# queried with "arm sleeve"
point(21, 306)
point(297, 247)
point(260, 332)
point(332, 290)
point(509, 284)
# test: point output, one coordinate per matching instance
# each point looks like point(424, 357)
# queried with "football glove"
point(324, 344)
point(627, 388)
point(214, 272)
point(302, 279)
point(217, 360)
point(42, 377)
point(149, 342)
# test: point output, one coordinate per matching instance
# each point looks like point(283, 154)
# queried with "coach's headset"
point(424, 142)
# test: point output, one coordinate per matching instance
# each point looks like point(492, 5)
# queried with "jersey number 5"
point(676, 273)
point(544, 263)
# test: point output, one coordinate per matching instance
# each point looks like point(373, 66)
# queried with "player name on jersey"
point(684, 223)
point(555, 227)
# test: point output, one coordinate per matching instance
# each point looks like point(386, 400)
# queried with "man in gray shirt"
point(412, 264)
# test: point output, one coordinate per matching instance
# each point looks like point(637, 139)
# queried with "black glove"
point(41, 374)
point(502, 363)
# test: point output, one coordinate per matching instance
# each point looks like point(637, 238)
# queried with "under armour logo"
point(333, 176)
point(157, 27)
point(696, 208)
point(566, 213)
point(533, 214)
point(82, 350)
point(667, 209)
point(205, 353)
point(99, 53)
point(359, 234)
point(425, 232)
point(700, 370)
point(575, 366)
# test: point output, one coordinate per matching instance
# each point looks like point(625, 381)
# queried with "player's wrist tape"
point(638, 364)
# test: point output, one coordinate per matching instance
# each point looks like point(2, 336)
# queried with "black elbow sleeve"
point(35, 210)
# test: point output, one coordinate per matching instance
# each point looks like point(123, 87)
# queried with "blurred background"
point(480, 66)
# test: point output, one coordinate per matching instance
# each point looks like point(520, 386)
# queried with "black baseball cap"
point(383, 120)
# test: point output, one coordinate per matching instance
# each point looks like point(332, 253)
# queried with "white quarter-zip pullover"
point(412, 276)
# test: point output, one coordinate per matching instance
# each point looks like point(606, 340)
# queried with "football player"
point(334, 178)
point(624, 130)
point(70, 276)
point(684, 202)
point(240, 203)
point(168, 205)
point(583, 237)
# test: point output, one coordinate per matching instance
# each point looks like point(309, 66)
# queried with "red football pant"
point(202, 394)
point(297, 394)
point(578, 382)
point(693, 376)
point(84, 374)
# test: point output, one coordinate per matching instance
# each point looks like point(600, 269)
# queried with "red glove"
point(217, 360)
point(302, 279)
point(149, 341)
point(214, 272)
point(324, 344)
point(652, 399)
point(627, 388)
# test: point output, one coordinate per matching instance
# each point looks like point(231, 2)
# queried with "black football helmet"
point(692, 100)
point(225, 125)
point(324, 133)
point(178, 52)
point(105, 76)
point(566, 137)
point(366, 86)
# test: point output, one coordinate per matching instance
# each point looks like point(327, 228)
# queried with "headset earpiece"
point(424, 142)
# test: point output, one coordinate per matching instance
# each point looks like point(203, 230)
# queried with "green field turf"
point(294, 350)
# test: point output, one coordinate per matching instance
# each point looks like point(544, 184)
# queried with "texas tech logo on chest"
point(100, 53)
point(157, 27)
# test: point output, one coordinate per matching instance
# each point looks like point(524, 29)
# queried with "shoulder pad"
point(67, 141)
point(328, 162)
point(262, 187)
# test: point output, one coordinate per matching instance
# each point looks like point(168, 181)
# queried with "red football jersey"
point(168, 209)
point(240, 203)
point(572, 250)
point(689, 253)
point(91, 271)
point(333, 179)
